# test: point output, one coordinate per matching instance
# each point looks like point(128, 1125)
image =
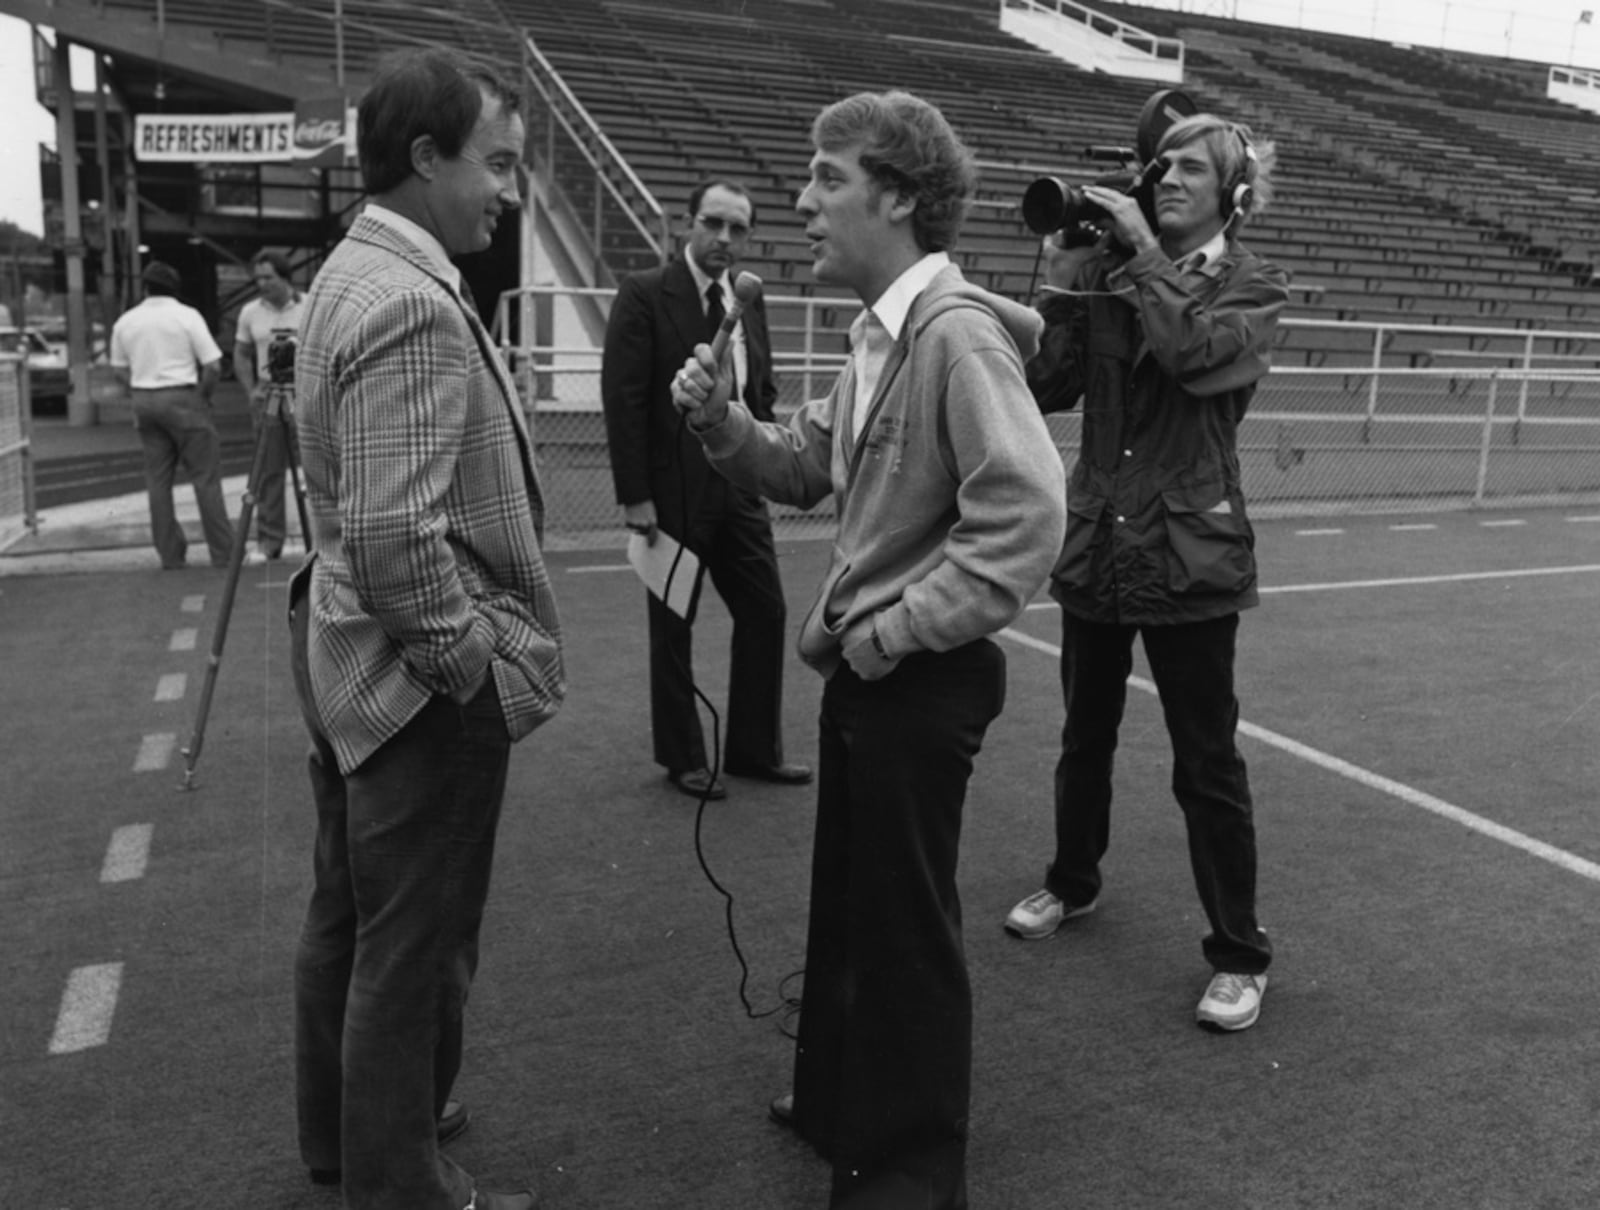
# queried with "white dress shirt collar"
point(425, 241)
point(894, 304)
point(702, 279)
point(1208, 253)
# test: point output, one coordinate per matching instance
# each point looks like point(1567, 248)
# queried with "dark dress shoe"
point(454, 1121)
point(697, 783)
point(785, 774)
point(523, 1199)
point(326, 1176)
point(781, 1110)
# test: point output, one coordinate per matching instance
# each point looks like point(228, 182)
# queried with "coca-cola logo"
point(312, 132)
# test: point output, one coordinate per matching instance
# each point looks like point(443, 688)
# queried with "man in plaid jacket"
point(426, 636)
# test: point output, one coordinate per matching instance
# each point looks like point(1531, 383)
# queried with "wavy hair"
point(906, 145)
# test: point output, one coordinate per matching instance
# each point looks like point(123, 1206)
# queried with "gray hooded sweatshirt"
point(951, 508)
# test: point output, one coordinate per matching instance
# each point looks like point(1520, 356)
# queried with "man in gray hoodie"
point(951, 512)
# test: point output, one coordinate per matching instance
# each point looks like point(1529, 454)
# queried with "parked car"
point(48, 379)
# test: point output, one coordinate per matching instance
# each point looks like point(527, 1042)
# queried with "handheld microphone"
point(746, 289)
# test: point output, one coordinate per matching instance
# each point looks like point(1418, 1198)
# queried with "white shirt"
point(260, 322)
point(741, 355)
point(162, 343)
point(877, 328)
point(1206, 253)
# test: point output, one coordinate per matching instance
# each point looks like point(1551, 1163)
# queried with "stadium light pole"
point(338, 44)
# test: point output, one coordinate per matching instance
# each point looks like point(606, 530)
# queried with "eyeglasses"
point(716, 226)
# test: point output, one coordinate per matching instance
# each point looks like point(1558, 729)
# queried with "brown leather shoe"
point(697, 783)
point(785, 774)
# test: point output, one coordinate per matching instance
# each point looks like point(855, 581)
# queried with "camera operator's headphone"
point(1239, 194)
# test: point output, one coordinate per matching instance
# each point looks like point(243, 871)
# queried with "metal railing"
point(1168, 51)
point(1391, 417)
point(583, 184)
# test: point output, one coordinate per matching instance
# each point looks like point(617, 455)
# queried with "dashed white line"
point(171, 687)
point(1578, 569)
point(128, 853)
point(184, 639)
point(1583, 520)
point(193, 604)
point(1375, 781)
point(87, 1007)
point(578, 571)
point(1409, 526)
point(1503, 524)
point(1316, 533)
point(155, 752)
point(1451, 578)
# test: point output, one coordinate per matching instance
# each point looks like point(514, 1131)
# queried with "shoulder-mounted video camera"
point(1050, 204)
point(280, 360)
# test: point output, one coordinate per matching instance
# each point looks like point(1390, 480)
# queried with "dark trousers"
point(883, 1062)
point(176, 432)
point(271, 518)
point(1193, 669)
point(404, 846)
point(732, 536)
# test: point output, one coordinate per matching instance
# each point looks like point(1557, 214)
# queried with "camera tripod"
point(277, 419)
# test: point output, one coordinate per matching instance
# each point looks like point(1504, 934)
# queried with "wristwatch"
point(877, 643)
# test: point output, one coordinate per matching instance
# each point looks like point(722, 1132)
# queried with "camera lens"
point(1045, 205)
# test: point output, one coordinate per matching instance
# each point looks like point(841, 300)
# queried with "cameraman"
point(273, 317)
point(1164, 338)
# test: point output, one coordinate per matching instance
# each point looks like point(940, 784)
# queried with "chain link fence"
point(16, 467)
point(1354, 417)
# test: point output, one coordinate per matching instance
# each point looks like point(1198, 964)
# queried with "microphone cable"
point(787, 1002)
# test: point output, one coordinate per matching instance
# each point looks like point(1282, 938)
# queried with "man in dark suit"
point(664, 483)
point(426, 639)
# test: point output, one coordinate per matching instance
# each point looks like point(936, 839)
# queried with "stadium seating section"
point(1414, 185)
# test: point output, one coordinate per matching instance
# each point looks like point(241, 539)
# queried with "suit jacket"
point(427, 508)
point(656, 320)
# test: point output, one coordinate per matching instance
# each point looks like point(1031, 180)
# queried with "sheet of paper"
point(668, 569)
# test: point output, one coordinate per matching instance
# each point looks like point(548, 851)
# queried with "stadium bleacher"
point(1414, 185)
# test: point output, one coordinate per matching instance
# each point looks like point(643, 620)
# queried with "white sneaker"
point(1041, 914)
point(1231, 1001)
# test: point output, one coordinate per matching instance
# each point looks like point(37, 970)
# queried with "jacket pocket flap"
point(1209, 497)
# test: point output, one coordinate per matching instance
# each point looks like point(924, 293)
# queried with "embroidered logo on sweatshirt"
point(886, 441)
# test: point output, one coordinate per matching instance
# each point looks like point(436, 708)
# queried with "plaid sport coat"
point(426, 505)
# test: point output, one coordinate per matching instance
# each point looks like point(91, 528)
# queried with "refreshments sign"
point(318, 133)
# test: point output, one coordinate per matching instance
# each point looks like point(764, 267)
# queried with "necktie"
point(715, 311)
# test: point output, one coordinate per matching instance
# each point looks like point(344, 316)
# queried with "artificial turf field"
point(1421, 709)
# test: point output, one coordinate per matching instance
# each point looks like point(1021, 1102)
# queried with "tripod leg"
point(241, 538)
point(291, 444)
